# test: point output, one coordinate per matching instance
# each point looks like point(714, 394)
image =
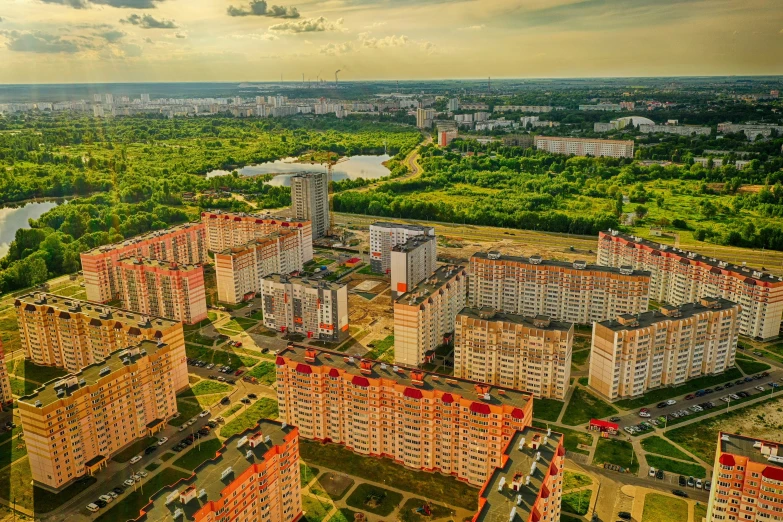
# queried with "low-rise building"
point(424, 315)
point(680, 130)
point(531, 354)
point(612, 107)
point(412, 262)
point(585, 146)
point(73, 425)
point(666, 347)
point(384, 236)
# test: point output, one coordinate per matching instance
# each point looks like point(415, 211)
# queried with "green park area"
point(617, 452)
point(664, 508)
point(584, 406)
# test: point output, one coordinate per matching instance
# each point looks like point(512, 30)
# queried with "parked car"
point(150, 450)
point(238, 372)
point(163, 441)
point(698, 484)
point(644, 414)
point(230, 381)
point(718, 388)
point(661, 405)
point(671, 402)
point(728, 385)
point(659, 474)
point(182, 428)
point(758, 353)
point(143, 473)
point(734, 397)
point(707, 485)
point(254, 396)
point(765, 374)
point(682, 481)
point(92, 507)
point(680, 493)
point(760, 388)
point(691, 482)
point(129, 483)
point(708, 391)
point(757, 376)
point(135, 459)
point(748, 378)
point(225, 400)
point(101, 503)
point(739, 381)
point(245, 400)
point(204, 413)
point(689, 396)
point(652, 472)
point(118, 490)
point(106, 498)
point(726, 398)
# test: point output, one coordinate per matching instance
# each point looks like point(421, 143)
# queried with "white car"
point(93, 507)
point(106, 498)
point(191, 422)
point(163, 441)
point(182, 428)
point(760, 388)
point(143, 473)
point(652, 472)
point(112, 494)
point(137, 477)
point(645, 414)
point(129, 483)
point(203, 413)
point(671, 402)
point(698, 484)
point(135, 459)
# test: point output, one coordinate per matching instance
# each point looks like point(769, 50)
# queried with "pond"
point(367, 167)
point(14, 218)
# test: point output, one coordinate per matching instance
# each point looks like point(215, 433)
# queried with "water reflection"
point(14, 218)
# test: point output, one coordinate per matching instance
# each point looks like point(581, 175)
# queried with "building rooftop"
point(207, 482)
point(406, 226)
point(143, 237)
point(214, 214)
point(579, 265)
point(350, 364)
point(421, 292)
point(311, 283)
point(540, 322)
point(568, 138)
point(717, 264)
point(155, 263)
point(65, 386)
point(241, 249)
point(748, 447)
point(501, 500)
point(412, 243)
point(667, 313)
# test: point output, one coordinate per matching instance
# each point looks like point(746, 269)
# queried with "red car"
point(238, 344)
point(689, 397)
point(238, 373)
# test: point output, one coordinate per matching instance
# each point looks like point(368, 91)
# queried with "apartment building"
point(572, 292)
point(183, 244)
point(531, 354)
point(6, 397)
point(528, 486)
point(71, 334)
point(73, 425)
point(747, 480)
point(162, 288)
point(425, 315)
point(678, 276)
point(424, 118)
point(226, 230)
point(310, 201)
point(254, 476)
point(751, 130)
point(412, 262)
point(665, 347)
point(680, 130)
point(421, 420)
point(317, 309)
point(240, 270)
point(384, 236)
point(585, 146)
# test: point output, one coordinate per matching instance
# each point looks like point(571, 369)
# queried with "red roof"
point(353, 260)
point(280, 361)
point(303, 368)
point(560, 450)
point(772, 473)
point(334, 372)
point(726, 460)
point(412, 393)
point(447, 398)
point(479, 407)
point(544, 492)
point(360, 381)
point(604, 424)
point(518, 413)
point(553, 469)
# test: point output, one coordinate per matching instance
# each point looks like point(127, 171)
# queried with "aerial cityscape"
point(391, 261)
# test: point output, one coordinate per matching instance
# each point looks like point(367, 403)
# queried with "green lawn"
point(577, 502)
point(448, 490)
point(211, 317)
point(16, 483)
point(134, 449)
point(306, 474)
point(187, 410)
point(675, 466)
point(574, 480)
point(130, 506)
point(219, 357)
point(152, 466)
point(12, 451)
point(618, 452)
point(693, 385)
point(314, 509)
point(196, 456)
point(547, 409)
point(232, 409)
point(661, 446)
point(664, 508)
point(408, 512)
point(166, 456)
point(373, 499)
point(699, 512)
point(343, 515)
point(265, 372)
point(263, 408)
point(751, 366)
point(205, 387)
point(573, 438)
point(584, 406)
point(380, 348)
point(27, 370)
point(579, 358)
point(21, 387)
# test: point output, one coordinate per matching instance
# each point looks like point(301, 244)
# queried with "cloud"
point(473, 27)
point(333, 49)
point(149, 22)
point(260, 8)
point(131, 50)
point(388, 41)
point(84, 4)
point(256, 36)
point(39, 42)
point(181, 35)
point(308, 25)
point(375, 25)
point(428, 47)
point(76, 4)
point(149, 40)
point(112, 36)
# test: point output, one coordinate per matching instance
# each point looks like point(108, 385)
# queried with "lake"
point(14, 218)
point(367, 167)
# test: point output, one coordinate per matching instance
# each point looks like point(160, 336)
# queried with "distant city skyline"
point(62, 41)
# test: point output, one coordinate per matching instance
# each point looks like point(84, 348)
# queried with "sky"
point(65, 41)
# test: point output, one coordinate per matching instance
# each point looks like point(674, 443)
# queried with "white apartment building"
point(310, 200)
point(680, 130)
point(424, 117)
point(384, 236)
point(412, 262)
point(585, 147)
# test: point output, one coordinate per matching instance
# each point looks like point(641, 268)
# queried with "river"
point(14, 218)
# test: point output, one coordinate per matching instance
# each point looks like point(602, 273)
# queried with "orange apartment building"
point(585, 146)
point(240, 270)
point(679, 276)
point(425, 315)
point(572, 292)
point(230, 230)
point(531, 354)
point(419, 419)
point(73, 425)
point(162, 288)
point(71, 334)
point(6, 397)
point(253, 477)
point(183, 244)
point(747, 480)
point(665, 347)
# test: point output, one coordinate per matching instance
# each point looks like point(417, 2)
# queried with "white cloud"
point(479, 27)
point(308, 25)
point(334, 49)
point(387, 41)
point(256, 36)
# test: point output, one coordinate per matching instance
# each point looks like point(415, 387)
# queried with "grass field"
point(584, 406)
point(693, 385)
point(579, 358)
point(577, 502)
point(263, 408)
point(219, 357)
point(28, 371)
point(206, 388)
point(16, 484)
point(187, 410)
point(306, 474)
point(660, 446)
point(197, 455)
point(374, 499)
point(749, 365)
point(664, 508)
point(618, 452)
point(573, 438)
point(675, 466)
point(134, 449)
point(343, 515)
point(314, 509)
point(381, 348)
point(574, 480)
point(547, 409)
point(408, 512)
point(265, 372)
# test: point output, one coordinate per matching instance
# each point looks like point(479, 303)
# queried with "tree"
point(707, 209)
point(640, 211)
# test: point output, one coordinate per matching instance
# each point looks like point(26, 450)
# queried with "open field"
point(584, 406)
point(664, 508)
point(618, 452)
point(659, 446)
point(263, 408)
point(675, 466)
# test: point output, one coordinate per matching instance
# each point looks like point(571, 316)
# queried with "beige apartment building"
point(425, 315)
point(225, 230)
point(412, 262)
point(421, 420)
point(73, 425)
point(585, 146)
point(240, 270)
point(162, 288)
point(6, 397)
point(678, 276)
point(571, 292)
point(636, 353)
point(384, 236)
point(182, 244)
point(531, 354)
point(310, 200)
point(71, 334)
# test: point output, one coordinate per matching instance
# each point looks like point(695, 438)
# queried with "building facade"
point(665, 347)
point(572, 292)
point(424, 118)
point(163, 289)
point(384, 236)
point(183, 244)
point(678, 277)
point(421, 420)
point(680, 130)
point(316, 309)
point(585, 146)
point(310, 201)
point(747, 480)
point(71, 334)
point(226, 230)
point(259, 481)
point(531, 354)
point(424, 316)
point(73, 425)
point(412, 262)
point(240, 270)
point(6, 397)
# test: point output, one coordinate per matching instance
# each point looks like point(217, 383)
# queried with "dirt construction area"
point(371, 314)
